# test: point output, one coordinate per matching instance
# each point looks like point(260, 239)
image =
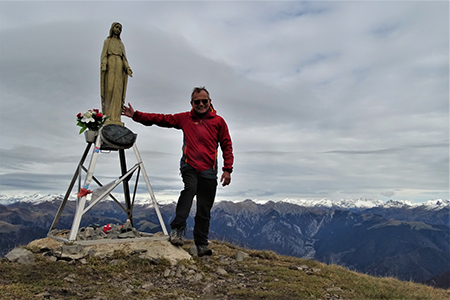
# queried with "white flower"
point(87, 120)
point(87, 117)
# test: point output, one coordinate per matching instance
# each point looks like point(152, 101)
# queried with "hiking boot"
point(176, 237)
point(203, 250)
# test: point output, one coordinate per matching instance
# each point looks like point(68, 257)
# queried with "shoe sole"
point(207, 253)
point(177, 243)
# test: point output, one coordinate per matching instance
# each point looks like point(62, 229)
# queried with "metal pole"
point(110, 188)
point(110, 195)
point(126, 188)
point(69, 190)
point(82, 201)
point(150, 190)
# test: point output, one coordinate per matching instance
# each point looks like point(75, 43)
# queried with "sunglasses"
point(204, 101)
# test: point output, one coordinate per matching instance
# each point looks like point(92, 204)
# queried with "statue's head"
point(116, 28)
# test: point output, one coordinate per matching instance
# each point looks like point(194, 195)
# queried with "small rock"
point(127, 235)
point(190, 272)
point(221, 271)
point(208, 288)
point(206, 259)
point(154, 261)
point(182, 297)
point(49, 255)
point(198, 277)
point(116, 262)
point(193, 250)
point(334, 289)
point(181, 268)
point(166, 273)
point(52, 258)
point(138, 251)
point(71, 249)
point(147, 286)
point(127, 292)
point(193, 267)
point(70, 278)
point(21, 256)
point(304, 267)
point(178, 274)
point(240, 256)
point(45, 295)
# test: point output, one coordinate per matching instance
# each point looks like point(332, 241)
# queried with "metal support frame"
point(104, 191)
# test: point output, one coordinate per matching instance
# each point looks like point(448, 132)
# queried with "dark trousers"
point(205, 189)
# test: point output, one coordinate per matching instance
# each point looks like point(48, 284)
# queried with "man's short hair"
point(198, 89)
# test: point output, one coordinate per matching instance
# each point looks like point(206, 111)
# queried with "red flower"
point(79, 115)
point(96, 110)
point(99, 115)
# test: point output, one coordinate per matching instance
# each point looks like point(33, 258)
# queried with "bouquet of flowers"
point(92, 120)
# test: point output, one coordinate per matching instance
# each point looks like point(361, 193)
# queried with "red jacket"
point(201, 137)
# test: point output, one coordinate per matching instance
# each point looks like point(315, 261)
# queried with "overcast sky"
point(331, 99)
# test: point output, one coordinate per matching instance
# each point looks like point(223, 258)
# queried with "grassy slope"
point(262, 275)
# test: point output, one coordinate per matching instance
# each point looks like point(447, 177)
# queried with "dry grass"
point(262, 275)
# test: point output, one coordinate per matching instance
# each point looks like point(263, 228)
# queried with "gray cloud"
point(323, 99)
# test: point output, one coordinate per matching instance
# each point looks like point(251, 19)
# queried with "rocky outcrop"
point(152, 248)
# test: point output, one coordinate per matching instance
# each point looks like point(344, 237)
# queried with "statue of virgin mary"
point(114, 75)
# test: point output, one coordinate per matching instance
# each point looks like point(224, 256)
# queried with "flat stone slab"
point(147, 247)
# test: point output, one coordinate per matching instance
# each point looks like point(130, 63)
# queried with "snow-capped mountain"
point(362, 203)
point(34, 198)
point(346, 204)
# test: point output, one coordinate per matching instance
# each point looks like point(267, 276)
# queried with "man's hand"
point(226, 178)
point(128, 111)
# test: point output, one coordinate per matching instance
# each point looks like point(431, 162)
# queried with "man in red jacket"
point(203, 131)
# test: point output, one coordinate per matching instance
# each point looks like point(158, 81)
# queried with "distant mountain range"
point(346, 204)
point(394, 238)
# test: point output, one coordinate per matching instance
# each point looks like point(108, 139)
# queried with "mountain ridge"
point(359, 203)
point(395, 241)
